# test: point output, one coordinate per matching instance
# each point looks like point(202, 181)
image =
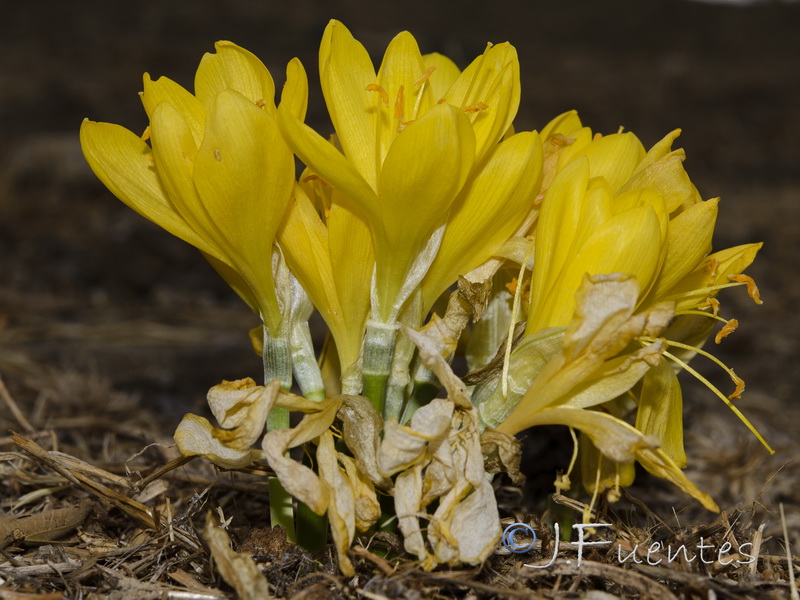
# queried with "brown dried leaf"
point(238, 570)
point(368, 510)
point(297, 479)
point(341, 508)
point(241, 408)
point(407, 499)
point(42, 527)
point(502, 453)
point(362, 427)
point(433, 345)
point(403, 446)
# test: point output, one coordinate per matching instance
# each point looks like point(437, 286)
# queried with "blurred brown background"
point(86, 285)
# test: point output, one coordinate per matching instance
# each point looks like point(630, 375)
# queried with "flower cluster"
point(573, 270)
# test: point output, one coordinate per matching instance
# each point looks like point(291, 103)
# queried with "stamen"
point(737, 393)
point(404, 124)
point(151, 158)
point(711, 269)
point(589, 510)
point(727, 329)
point(400, 105)
point(261, 103)
point(752, 288)
point(700, 313)
point(705, 290)
point(217, 155)
point(477, 107)
point(315, 177)
point(714, 304)
point(146, 134)
point(374, 87)
point(514, 310)
point(721, 396)
point(597, 136)
point(424, 77)
point(511, 286)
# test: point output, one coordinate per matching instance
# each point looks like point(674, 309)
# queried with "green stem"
point(277, 359)
point(426, 388)
point(399, 378)
point(379, 343)
point(304, 363)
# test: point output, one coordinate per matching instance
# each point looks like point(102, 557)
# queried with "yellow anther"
point(711, 268)
point(404, 124)
point(752, 288)
point(315, 177)
point(424, 77)
point(477, 107)
point(597, 136)
point(714, 304)
point(374, 87)
point(511, 286)
point(261, 103)
point(737, 393)
point(400, 104)
point(146, 134)
point(217, 154)
point(726, 330)
point(151, 158)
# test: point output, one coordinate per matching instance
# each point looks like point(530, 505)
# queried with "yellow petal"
point(242, 140)
point(166, 90)
point(487, 212)
point(621, 442)
point(353, 257)
point(345, 72)
point(295, 91)
point(238, 285)
point(565, 123)
point(234, 68)
point(401, 68)
point(305, 242)
point(443, 76)
point(423, 171)
point(692, 290)
point(614, 157)
point(124, 163)
point(324, 159)
point(669, 177)
point(174, 150)
point(688, 241)
point(660, 149)
point(628, 243)
point(491, 79)
point(660, 410)
point(559, 221)
point(611, 473)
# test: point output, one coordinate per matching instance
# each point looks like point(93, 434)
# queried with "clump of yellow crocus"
point(424, 184)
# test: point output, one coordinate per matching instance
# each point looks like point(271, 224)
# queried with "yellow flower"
point(405, 153)
point(611, 208)
point(331, 255)
point(218, 174)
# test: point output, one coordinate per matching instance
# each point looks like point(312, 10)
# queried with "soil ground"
point(110, 329)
